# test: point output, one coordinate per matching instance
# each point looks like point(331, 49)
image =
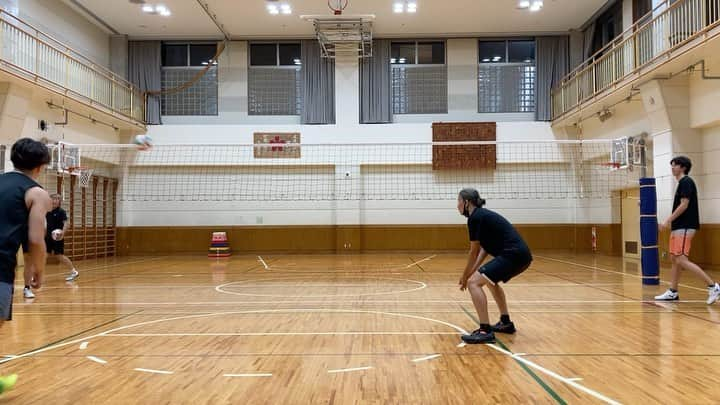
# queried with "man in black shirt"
point(23, 205)
point(57, 225)
point(683, 223)
point(490, 233)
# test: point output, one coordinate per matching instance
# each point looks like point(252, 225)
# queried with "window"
point(274, 79)
point(506, 76)
point(180, 64)
point(419, 77)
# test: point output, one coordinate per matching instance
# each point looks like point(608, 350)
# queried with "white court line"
point(249, 375)
point(462, 344)
point(568, 381)
point(347, 370)
point(106, 266)
point(420, 261)
point(148, 370)
point(263, 262)
point(84, 345)
point(575, 379)
point(432, 356)
point(35, 304)
point(221, 287)
point(278, 334)
point(316, 310)
point(612, 271)
point(97, 359)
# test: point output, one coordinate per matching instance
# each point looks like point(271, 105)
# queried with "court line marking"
point(462, 344)
point(575, 379)
point(149, 370)
point(280, 334)
point(107, 266)
point(420, 261)
point(569, 381)
point(220, 288)
point(347, 370)
point(97, 359)
point(84, 345)
point(543, 370)
point(316, 310)
point(638, 301)
point(210, 314)
point(430, 357)
point(263, 262)
point(612, 271)
point(249, 375)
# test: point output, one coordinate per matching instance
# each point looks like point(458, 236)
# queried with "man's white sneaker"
point(668, 296)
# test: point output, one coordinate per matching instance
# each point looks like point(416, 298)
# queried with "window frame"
point(507, 62)
point(188, 66)
point(417, 42)
point(297, 67)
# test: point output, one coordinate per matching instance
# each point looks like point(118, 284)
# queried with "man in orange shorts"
point(683, 223)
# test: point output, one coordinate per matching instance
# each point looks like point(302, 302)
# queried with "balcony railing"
point(29, 54)
point(669, 26)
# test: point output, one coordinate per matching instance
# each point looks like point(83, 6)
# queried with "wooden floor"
point(380, 328)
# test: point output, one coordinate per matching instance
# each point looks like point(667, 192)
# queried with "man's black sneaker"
point(479, 336)
point(501, 327)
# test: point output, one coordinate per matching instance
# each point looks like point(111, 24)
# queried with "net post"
point(649, 258)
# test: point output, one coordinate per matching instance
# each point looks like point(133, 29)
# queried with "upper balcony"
point(671, 38)
point(28, 55)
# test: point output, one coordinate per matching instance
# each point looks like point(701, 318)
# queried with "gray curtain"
point(144, 68)
point(553, 63)
point(375, 85)
point(318, 85)
point(588, 39)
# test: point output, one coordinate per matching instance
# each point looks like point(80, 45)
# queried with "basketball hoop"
point(84, 175)
point(338, 6)
point(611, 165)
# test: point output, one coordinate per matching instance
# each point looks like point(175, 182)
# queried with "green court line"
point(532, 374)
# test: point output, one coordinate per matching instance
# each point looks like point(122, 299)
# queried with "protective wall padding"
point(650, 257)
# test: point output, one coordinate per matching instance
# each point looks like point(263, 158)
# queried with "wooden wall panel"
point(464, 156)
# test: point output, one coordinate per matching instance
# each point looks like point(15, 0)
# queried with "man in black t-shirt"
point(23, 205)
point(683, 223)
point(490, 234)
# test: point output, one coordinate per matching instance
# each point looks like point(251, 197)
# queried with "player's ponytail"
point(473, 197)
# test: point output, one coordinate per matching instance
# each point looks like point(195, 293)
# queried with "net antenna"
point(343, 34)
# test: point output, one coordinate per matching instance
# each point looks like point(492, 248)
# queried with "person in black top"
point(56, 223)
point(490, 234)
point(23, 205)
point(683, 223)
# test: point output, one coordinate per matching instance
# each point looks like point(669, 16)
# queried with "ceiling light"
point(411, 7)
point(398, 7)
point(536, 5)
point(273, 9)
point(523, 4)
point(165, 13)
point(402, 60)
point(486, 60)
point(160, 9)
point(297, 61)
point(393, 60)
point(148, 9)
point(286, 9)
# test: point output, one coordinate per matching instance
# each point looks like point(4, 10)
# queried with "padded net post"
point(650, 258)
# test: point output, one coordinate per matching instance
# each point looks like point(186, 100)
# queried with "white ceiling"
point(249, 18)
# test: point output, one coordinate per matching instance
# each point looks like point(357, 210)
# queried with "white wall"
point(233, 125)
point(66, 25)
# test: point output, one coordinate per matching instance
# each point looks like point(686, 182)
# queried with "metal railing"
point(29, 54)
point(669, 26)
